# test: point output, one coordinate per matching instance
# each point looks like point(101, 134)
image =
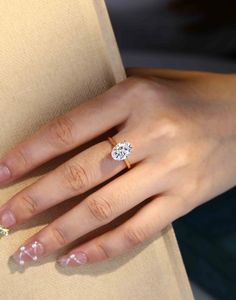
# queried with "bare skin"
point(182, 126)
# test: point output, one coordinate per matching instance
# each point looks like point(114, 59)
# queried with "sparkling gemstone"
point(3, 231)
point(121, 150)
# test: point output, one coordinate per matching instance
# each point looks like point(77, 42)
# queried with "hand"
point(182, 128)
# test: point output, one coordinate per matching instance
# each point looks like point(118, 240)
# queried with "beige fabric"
point(53, 55)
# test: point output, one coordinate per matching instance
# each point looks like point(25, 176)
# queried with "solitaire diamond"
point(121, 150)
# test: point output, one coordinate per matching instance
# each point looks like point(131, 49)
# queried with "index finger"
point(88, 120)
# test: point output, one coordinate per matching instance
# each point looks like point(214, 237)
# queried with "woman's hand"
point(182, 128)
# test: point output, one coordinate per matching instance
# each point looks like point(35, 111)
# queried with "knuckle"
point(180, 158)
point(29, 204)
point(135, 235)
point(164, 128)
point(135, 87)
point(140, 83)
point(76, 176)
point(103, 252)
point(137, 82)
point(168, 127)
point(20, 158)
point(152, 89)
point(59, 236)
point(61, 131)
point(176, 159)
point(139, 86)
point(100, 209)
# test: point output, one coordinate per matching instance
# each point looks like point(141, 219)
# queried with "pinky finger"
point(147, 222)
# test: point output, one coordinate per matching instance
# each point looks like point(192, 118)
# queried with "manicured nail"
point(27, 253)
point(73, 259)
point(4, 173)
point(7, 219)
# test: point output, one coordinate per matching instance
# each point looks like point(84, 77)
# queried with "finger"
point(64, 133)
point(144, 225)
point(96, 210)
point(76, 176)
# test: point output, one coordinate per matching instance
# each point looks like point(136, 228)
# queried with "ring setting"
point(121, 150)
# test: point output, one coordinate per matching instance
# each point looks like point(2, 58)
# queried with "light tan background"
point(53, 55)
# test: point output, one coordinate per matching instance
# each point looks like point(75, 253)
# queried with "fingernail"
point(27, 253)
point(4, 172)
point(7, 219)
point(73, 259)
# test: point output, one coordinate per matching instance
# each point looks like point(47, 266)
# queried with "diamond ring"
point(121, 150)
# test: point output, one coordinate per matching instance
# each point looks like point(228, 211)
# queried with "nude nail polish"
point(27, 253)
point(4, 173)
point(7, 218)
point(73, 259)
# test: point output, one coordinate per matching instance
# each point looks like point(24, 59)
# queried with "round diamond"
point(121, 150)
